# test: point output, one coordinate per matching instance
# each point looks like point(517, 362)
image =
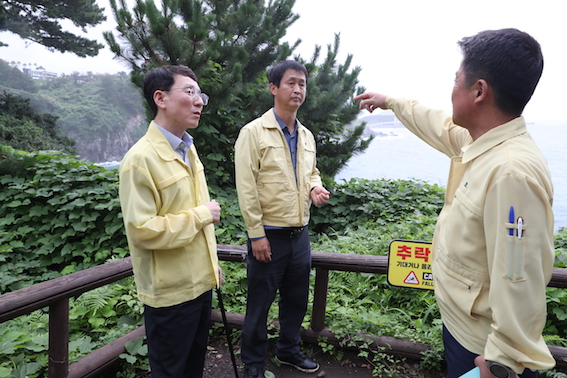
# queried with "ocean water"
point(398, 154)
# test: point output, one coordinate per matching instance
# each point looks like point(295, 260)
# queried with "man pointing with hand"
point(490, 268)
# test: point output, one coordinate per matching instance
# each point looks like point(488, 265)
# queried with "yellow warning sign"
point(409, 264)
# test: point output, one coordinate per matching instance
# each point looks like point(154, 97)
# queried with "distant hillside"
point(102, 113)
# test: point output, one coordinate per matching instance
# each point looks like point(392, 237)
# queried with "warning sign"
point(411, 279)
point(409, 264)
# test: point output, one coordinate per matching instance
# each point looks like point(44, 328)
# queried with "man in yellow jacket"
point(277, 179)
point(493, 245)
point(169, 220)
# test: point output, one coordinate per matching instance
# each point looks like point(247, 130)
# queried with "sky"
point(404, 48)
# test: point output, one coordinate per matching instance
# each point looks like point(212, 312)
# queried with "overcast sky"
point(406, 48)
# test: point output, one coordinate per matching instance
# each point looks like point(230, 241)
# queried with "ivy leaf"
point(133, 347)
point(14, 204)
point(16, 244)
point(130, 359)
point(96, 322)
point(8, 346)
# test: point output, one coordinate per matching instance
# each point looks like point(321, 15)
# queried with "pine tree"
point(38, 21)
point(227, 43)
point(230, 45)
point(329, 110)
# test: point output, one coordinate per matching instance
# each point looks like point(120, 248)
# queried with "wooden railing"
point(56, 293)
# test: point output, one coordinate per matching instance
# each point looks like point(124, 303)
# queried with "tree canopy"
point(22, 128)
point(230, 45)
point(39, 21)
point(329, 110)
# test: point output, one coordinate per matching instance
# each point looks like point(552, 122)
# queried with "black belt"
point(288, 232)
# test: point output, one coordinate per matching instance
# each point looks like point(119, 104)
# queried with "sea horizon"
point(398, 154)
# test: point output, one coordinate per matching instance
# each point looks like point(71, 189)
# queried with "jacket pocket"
point(464, 284)
point(172, 272)
point(276, 198)
point(515, 259)
point(308, 158)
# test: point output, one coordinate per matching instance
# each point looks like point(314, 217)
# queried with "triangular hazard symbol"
point(411, 279)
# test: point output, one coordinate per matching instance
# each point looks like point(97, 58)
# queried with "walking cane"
point(227, 331)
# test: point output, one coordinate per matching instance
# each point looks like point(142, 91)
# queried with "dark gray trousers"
point(289, 273)
point(177, 337)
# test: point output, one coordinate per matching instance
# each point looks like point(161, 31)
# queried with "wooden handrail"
point(28, 299)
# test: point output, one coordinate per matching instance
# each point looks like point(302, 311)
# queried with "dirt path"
point(219, 365)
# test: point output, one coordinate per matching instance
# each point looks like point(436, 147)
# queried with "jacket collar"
point(270, 121)
point(494, 137)
point(160, 143)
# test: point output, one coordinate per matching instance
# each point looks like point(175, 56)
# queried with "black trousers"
point(177, 337)
point(460, 360)
point(289, 273)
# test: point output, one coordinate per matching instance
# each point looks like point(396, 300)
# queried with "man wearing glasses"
point(169, 220)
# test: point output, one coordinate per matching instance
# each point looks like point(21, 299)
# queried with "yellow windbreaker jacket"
point(490, 285)
point(170, 232)
point(267, 189)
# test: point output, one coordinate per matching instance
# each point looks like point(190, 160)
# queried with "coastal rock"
point(113, 146)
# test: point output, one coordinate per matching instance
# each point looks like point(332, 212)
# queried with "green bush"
point(355, 202)
point(58, 215)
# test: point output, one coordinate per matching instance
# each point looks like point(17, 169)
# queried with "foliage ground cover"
point(60, 215)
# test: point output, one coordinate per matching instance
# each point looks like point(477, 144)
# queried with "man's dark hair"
point(278, 70)
point(162, 78)
point(509, 60)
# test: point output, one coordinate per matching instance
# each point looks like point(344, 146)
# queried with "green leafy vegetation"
point(60, 215)
point(57, 215)
point(380, 202)
point(25, 129)
point(97, 318)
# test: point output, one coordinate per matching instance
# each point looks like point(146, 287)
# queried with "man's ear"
point(273, 88)
point(159, 96)
point(481, 90)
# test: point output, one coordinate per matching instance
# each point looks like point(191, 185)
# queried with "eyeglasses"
point(194, 93)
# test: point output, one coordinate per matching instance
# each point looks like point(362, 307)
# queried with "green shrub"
point(355, 202)
point(57, 215)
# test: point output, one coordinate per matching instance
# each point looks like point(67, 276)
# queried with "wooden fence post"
point(319, 299)
point(58, 364)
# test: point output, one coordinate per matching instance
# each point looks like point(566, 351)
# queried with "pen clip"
point(520, 226)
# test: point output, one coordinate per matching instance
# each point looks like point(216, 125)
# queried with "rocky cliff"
point(114, 145)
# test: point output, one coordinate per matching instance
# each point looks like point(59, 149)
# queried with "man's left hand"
point(484, 371)
point(319, 195)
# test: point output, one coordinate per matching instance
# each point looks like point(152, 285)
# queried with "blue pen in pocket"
point(511, 219)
